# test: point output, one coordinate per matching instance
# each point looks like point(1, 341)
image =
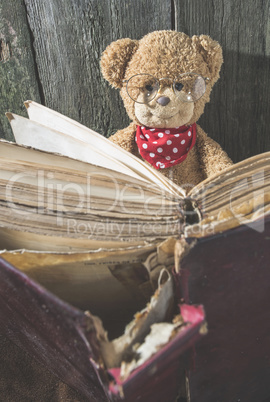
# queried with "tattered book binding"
point(87, 223)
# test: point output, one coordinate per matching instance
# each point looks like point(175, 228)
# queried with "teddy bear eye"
point(149, 87)
point(142, 88)
point(178, 86)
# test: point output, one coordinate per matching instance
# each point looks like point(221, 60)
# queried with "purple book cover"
point(64, 339)
point(229, 275)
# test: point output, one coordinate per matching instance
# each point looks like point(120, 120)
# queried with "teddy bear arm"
point(125, 138)
point(213, 159)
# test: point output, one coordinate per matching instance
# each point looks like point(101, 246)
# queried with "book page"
point(46, 201)
point(63, 124)
point(53, 132)
point(118, 278)
point(238, 195)
point(29, 133)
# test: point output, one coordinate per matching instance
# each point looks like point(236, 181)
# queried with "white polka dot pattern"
point(163, 148)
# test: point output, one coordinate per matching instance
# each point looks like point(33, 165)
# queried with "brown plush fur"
point(168, 54)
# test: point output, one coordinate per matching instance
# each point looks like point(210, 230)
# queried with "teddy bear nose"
point(163, 100)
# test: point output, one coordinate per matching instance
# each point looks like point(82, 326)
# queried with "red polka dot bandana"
point(165, 147)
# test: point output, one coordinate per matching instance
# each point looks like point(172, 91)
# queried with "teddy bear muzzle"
point(163, 100)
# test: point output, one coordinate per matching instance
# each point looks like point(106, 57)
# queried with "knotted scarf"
point(165, 147)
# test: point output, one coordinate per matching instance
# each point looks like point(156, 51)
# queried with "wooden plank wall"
point(50, 53)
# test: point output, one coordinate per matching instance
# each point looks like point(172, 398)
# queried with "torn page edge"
point(192, 330)
point(181, 249)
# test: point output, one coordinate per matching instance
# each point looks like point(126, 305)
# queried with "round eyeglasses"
point(189, 87)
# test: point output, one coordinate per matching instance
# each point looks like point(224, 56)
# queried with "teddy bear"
point(165, 80)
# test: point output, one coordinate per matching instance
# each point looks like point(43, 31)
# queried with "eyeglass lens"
point(142, 88)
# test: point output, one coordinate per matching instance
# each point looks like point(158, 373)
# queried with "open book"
point(76, 184)
point(96, 225)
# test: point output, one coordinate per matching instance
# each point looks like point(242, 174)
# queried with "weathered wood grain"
point(56, 51)
point(70, 36)
point(238, 116)
point(18, 80)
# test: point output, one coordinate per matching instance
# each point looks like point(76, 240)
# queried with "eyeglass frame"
point(206, 79)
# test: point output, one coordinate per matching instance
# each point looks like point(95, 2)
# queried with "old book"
point(229, 275)
point(73, 345)
point(98, 227)
point(97, 193)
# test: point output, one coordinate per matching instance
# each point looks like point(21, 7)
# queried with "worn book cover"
point(107, 267)
point(229, 274)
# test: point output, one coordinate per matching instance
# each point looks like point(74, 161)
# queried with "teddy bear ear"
point(211, 52)
point(115, 58)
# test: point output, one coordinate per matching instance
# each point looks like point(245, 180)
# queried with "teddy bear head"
point(165, 78)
